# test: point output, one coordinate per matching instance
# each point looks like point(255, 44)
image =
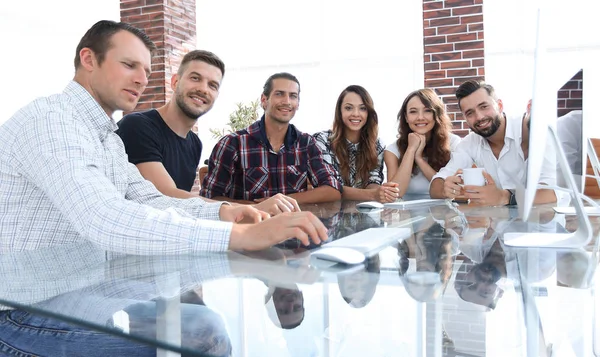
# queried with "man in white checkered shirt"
point(65, 177)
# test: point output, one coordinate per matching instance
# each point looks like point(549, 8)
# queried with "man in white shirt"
point(569, 130)
point(496, 144)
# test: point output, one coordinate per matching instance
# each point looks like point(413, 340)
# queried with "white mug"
point(473, 177)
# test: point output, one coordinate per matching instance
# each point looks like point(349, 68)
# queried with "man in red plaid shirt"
point(271, 156)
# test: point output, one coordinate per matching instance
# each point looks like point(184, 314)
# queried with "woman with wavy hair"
point(354, 150)
point(423, 146)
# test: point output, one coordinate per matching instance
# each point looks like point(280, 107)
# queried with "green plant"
point(242, 117)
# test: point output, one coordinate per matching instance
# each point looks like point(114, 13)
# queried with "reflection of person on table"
point(478, 283)
point(76, 280)
point(573, 267)
point(433, 252)
point(288, 302)
point(358, 287)
point(284, 301)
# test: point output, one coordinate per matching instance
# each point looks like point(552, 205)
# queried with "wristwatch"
point(512, 199)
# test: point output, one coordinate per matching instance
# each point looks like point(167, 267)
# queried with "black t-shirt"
point(148, 138)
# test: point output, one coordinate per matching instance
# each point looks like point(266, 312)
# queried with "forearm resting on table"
point(231, 200)
point(317, 195)
point(436, 188)
point(544, 195)
point(360, 194)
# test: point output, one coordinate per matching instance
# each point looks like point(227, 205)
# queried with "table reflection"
point(450, 283)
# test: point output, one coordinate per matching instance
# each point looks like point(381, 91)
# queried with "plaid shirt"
point(375, 176)
point(64, 178)
point(243, 165)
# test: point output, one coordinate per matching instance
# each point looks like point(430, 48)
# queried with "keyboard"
point(590, 211)
point(372, 240)
point(415, 203)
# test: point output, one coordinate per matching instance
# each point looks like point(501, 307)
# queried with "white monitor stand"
point(581, 237)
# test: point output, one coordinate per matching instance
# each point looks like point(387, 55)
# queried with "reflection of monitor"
point(547, 79)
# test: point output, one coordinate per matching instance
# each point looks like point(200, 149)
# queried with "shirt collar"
point(290, 136)
point(89, 108)
point(513, 128)
point(351, 145)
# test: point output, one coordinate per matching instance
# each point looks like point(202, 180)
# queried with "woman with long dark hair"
point(424, 143)
point(354, 150)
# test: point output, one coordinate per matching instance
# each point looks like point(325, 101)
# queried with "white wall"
point(570, 36)
point(327, 45)
point(39, 42)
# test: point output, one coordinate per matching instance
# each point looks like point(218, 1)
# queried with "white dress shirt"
point(418, 187)
point(64, 177)
point(569, 130)
point(510, 168)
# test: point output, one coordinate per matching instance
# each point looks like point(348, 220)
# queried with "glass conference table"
point(452, 288)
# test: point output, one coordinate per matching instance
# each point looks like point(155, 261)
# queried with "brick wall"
point(453, 49)
point(171, 24)
point(570, 95)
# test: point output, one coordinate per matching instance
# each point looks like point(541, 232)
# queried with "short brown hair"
point(97, 39)
point(268, 87)
point(467, 88)
point(203, 56)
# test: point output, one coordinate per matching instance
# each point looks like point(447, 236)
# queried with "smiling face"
point(197, 88)
point(289, 305)
point(482, 113)
point(420, 118)
point(283, 101)
point(354, 112)
point(480, 287)
point(119, 81)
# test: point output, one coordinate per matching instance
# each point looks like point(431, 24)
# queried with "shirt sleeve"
point(64, 163)
point(549, 167)
point(460, 158)
point(322, 141)
point(141, 138)
point(393, 148)
point(376, 175)
point(321, 173)
point(221, 169)
point(454, 141)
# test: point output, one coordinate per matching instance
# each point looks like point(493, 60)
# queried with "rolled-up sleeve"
point(376, 175)
point(459, 158)
point(221, 169)
point(321, 173)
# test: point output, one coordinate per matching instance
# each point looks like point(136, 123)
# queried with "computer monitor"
point(546, 80)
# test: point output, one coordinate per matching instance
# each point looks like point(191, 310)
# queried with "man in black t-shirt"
point(160, 142)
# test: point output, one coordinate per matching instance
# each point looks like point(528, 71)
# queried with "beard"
point(489, 131)
point(487, 272)
point(189, 111)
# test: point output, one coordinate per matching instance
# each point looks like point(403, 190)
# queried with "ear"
point(174, 81)
point(87, 58)
point(263, 101)
point(500, 106)
point(529, 106)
